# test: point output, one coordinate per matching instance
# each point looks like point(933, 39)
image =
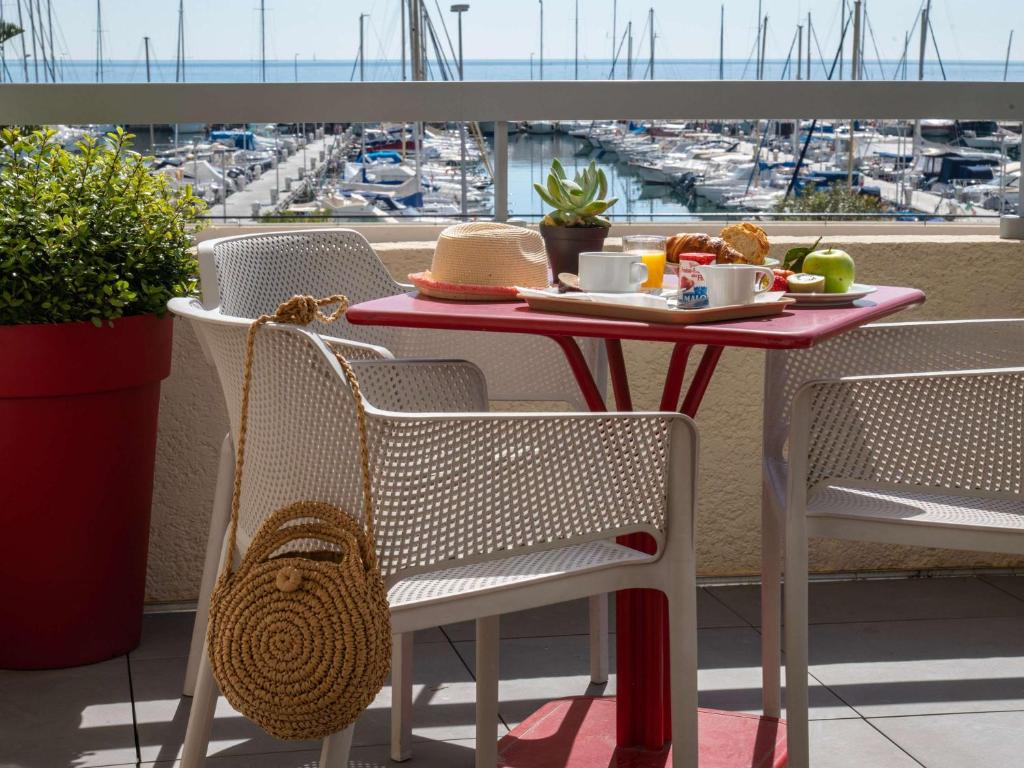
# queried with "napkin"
point(631, 299)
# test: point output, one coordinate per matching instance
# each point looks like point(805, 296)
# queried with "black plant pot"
point(565, 244)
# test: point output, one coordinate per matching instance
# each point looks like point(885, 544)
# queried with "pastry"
point(698, 242)
point(749, 239)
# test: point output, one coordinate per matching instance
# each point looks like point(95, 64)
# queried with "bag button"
point(288, 579)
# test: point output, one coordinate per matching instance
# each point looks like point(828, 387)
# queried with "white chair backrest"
point(250, 275)
point(887, 348)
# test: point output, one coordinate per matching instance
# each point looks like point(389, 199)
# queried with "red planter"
point(78, 419)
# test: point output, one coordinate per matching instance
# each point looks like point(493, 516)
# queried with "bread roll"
point(749, 239)
point(686, 242)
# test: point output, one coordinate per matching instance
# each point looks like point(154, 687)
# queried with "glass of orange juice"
point(650, 248)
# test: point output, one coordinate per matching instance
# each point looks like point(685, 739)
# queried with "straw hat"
point(483, 260)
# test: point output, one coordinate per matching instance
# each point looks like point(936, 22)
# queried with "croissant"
point(749, 239)
point(686, 242)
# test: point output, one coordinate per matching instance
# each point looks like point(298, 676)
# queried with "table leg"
point(700, 382)
point(582, 372)
point(617, 369)
point(674, 376)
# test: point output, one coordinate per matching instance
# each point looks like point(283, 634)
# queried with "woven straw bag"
point(300, 641)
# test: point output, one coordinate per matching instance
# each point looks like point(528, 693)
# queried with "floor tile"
point(573, 618)
point(855, 744)
point(730, 675)
point(535, 670)
point(922, 667)
point(1014, 584)
point(444, 697)
point(952, 741)
point(427, 754)
point(886, 600)
point(165, 635)
point(67, 717)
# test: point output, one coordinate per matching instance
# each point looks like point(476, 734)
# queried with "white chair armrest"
point(422, 386)
point(357, 350)
point(470, 487)
point(950, 429)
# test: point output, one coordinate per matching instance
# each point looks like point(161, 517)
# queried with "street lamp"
point(459, 9)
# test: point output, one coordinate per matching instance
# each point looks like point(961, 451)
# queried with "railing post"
point(1012, 227)
point(500, 170)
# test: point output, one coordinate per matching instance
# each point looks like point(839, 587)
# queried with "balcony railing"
point(503, 102)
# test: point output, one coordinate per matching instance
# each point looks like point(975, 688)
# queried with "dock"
point(276, 188)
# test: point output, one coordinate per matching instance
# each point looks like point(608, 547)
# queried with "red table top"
point(792, 329)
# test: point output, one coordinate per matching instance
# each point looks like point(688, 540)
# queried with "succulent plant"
point(578, 202)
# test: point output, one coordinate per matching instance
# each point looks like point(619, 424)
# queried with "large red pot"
point(78, 419)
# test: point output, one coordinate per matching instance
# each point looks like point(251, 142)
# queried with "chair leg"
point(797, 737)
point(682, 624)
point(200, 718)
point(487, 632)
point(401, 696)
point(211, 565)
point(599, 639)
point(771, 606)
point(334, 753)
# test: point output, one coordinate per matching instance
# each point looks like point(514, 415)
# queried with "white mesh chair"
point(250, 275)
point(903, 433)
point(474, 511)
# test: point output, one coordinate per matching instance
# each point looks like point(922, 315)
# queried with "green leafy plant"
point(90, 233)
point(834, 198)
point(578, 202)
point(9, 31)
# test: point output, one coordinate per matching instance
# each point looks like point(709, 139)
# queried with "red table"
point(641, 709)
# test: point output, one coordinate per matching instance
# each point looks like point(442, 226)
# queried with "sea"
point(529, 155)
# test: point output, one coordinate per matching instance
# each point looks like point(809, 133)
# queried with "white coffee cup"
point(735, 283)
point(611, 272)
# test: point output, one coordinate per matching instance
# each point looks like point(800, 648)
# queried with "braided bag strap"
point(302, 310)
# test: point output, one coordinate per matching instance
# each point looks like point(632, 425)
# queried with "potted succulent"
point(92, 246)
point(577, 223)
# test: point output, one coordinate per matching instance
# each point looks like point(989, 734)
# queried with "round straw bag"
point(300, 641)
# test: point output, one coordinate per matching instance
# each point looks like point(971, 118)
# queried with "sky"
point(510, 29)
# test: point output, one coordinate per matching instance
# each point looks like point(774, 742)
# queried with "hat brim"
point(428, 286)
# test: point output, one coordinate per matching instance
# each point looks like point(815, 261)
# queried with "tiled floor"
point(904, 673)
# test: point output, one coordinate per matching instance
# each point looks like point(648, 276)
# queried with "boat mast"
point(99, 43)
point(49, 25)
point(263, 40)
point(842, 40)
point(809, 32)
point(757, 42)
point(721, 45)
point(629, 50)
point(920, 67)
point(854, 75)
point(149, 79)
point(576, 55)
point(362, 57)
point(179, 64)
point(650, 24)
point(764, 43)
point(401, 35)
point(800, 51)
point(32, 32)
point(24, 52)
point(40, 29)
point(615, 38)
point(1006, 66)
point(541, 38)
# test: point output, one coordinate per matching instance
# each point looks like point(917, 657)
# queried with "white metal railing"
point(502, 102)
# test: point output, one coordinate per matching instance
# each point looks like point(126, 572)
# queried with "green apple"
point(834, 265)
